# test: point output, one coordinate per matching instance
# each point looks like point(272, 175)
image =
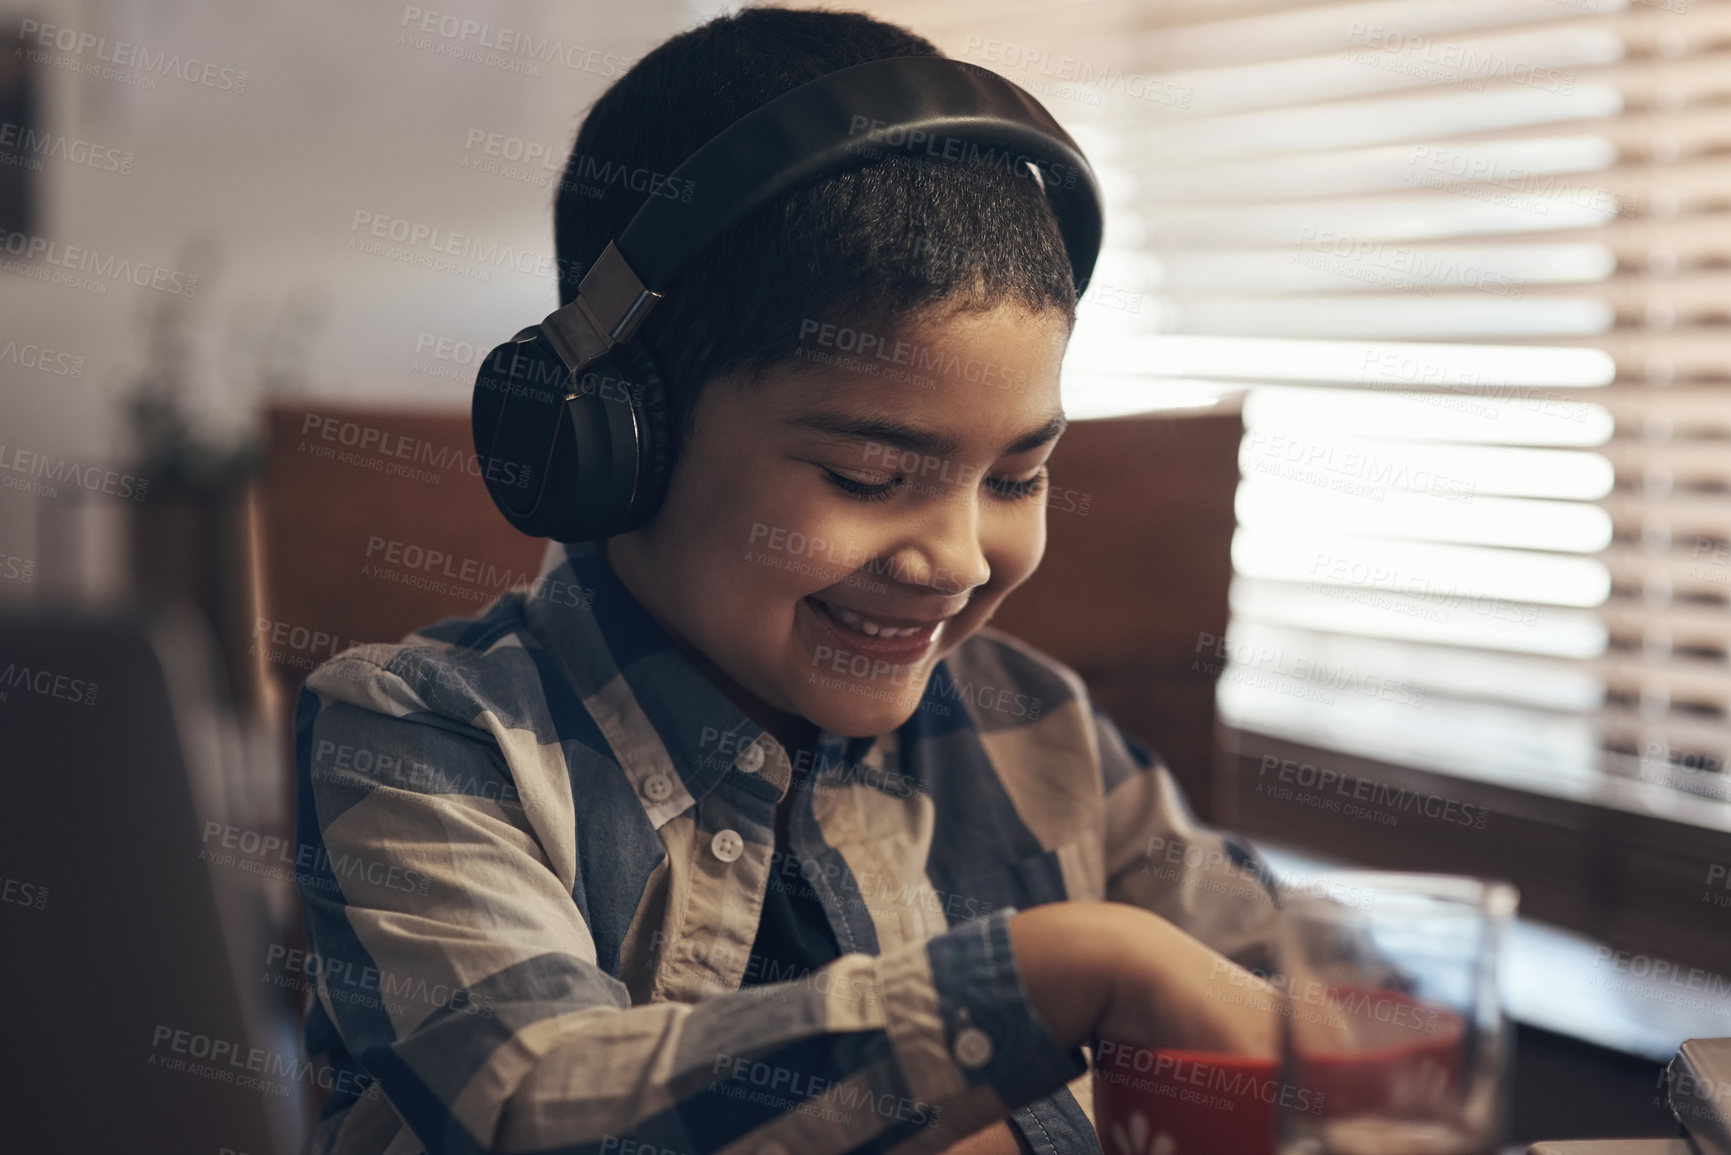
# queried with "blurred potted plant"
point(191, 539)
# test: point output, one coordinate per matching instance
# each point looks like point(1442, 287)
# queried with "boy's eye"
point(864, 490)
point(1013, 490)
point(1007, 488)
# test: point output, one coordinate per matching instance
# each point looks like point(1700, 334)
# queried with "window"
point(1467, 265)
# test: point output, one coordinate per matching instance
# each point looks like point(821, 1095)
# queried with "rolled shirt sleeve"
point(490, 1026)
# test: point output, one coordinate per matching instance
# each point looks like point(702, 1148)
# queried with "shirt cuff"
point(990, 1028)
point(1056, 1125)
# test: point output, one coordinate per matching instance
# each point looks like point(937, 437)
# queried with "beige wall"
point(338, 116)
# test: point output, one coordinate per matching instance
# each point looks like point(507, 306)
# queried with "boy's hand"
point(1111, 970)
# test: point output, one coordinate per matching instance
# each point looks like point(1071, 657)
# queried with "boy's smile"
point(835, 528)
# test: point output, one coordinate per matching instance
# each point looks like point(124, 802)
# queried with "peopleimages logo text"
point(943, 146)
point(60, 469)
point(509, 42)
point(441, 458)
point(103, 265)
point(47, 683)
point(27, 142)
point(123, 54)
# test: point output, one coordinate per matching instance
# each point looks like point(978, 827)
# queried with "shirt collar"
point(704, 732)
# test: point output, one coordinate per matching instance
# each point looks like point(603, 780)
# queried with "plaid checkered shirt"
point(547, 838)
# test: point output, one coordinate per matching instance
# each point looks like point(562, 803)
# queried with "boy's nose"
point(946, 554)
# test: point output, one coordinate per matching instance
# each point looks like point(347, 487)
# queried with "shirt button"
point(658, 787)
point(727, 845)
point(751, 758)
point(972, 1048)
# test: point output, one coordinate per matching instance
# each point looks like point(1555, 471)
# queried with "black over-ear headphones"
point(570, 416)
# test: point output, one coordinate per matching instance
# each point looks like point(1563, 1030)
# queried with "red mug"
point(1174, 1102)
point(1170, 1102)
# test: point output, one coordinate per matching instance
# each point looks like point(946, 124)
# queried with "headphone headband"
point(536, 406)
point(922, 105)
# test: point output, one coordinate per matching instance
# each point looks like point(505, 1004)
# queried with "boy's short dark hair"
point(872, 246)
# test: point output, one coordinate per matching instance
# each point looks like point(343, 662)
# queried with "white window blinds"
point(1467, 261)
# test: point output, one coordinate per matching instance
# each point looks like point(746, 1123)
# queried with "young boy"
point(740, 831)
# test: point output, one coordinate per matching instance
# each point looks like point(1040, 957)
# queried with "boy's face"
point(830, 532)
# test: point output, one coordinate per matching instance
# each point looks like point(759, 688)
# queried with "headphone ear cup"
point(575, 467)
point(515, 419)
point(655, 439)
